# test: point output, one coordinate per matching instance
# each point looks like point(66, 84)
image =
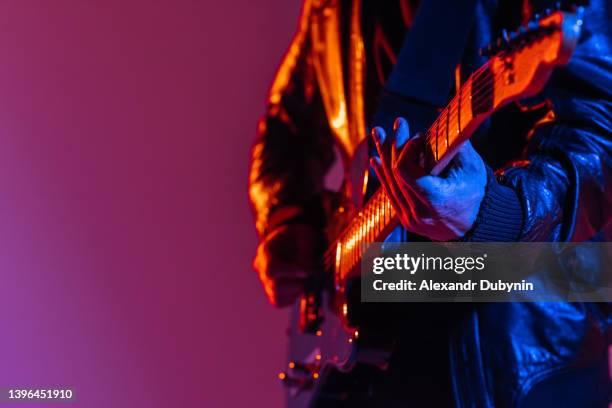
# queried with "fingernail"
point(376, 135)
point(397, 123)
point(374, 162)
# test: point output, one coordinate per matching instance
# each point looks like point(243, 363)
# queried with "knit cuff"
point(500, 217)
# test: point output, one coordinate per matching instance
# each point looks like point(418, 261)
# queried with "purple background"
point(125, 233)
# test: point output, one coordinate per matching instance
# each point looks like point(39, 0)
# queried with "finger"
point(385, 150)
point(407, 162)
point(376, 164)
point(391, 191)
point(402, 139)
point(465, 165)
point(413, 182)
point(382, 144)
point(402, 132)
point(428, 186)
point(422, 188)
point(402, 135)
point(408, 194)
point(468, 159)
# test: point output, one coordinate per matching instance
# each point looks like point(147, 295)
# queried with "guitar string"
point(472, 76)
point(477, 100)
point(475, 93)
point(451, 108)
point(330, 255)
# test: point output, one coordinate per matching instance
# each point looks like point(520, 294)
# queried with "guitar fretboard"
point(474, 98)
point(375, 221)
point(456, 123)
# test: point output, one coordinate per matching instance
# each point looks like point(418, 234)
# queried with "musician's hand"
point(285, 259)
point(440, 207)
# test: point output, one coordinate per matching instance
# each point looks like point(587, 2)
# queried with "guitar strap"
point(421, 80)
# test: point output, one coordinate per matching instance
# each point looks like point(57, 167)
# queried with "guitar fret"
point(384, 217)
point(366, 217)
point(364, 231)
point(459, 111)
point(384, 211)
point(373, 219)
point(365, 227)
point(485, 92)
point(370, 224)
point(442, 135)
point(366, 224)
point(377, 219)
point(376, 215)
point(368, 229)
point(442, 132)
point(361, 234)
point(381, 215)
point(437, 132)
point(448, 114)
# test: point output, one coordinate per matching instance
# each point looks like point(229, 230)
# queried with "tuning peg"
point(500, 43)
point(536, 17)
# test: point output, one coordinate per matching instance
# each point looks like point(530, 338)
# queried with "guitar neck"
point(456, 123)
point(473, 103)
point(373, 223)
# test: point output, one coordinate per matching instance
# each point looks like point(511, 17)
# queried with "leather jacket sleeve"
point(293, 149)
point(563, 185)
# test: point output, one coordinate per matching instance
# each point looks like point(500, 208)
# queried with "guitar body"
point(306, 351)
point(331, 332)
point(322, 364)
point(330, 345)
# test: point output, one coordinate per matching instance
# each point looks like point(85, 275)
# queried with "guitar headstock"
point(524, 60)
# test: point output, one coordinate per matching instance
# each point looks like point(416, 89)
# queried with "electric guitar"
point(323, 337)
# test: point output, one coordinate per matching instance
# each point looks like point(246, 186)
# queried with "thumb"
point(468, 159)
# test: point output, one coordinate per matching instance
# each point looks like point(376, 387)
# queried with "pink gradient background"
point(125, 233)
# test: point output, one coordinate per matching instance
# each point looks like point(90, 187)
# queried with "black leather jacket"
point(559, 170)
